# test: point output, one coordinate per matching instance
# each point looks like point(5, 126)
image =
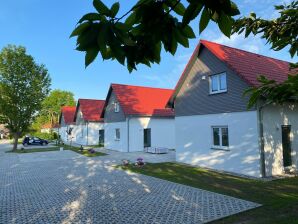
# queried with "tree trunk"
point(15, 141)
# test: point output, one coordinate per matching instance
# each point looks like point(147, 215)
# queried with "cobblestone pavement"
point(77, 189)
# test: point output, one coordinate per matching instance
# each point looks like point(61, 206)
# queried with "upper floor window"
point(116, 107)
point(218, 83)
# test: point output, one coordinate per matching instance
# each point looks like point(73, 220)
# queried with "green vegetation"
point(279, 197)
point(138, 35)
point(85, 152)
point(46, 136)
point(23, 86)
point(35, 150)
point(50, 111)
point(280, 32)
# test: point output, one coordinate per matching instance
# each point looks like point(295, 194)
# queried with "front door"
point(286, 145)
point(101, 137)
point(147, 137)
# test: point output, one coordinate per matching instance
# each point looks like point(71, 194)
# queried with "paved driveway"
point(69, 188)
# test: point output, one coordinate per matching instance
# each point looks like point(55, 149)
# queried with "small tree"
point(23, 86)
point(51, 106)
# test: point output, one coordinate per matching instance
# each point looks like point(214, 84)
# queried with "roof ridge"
point(246, 51)
point(148, 87)
point(89, 99)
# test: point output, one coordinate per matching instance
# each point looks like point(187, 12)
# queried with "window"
point(116, 107)
point(147, 137)
point(220, 137)
point(117, 134)
point(218, 83)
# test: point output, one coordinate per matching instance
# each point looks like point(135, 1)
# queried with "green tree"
point(51, 106)
point(137, 36)
point(23, 86)
point(280, 32)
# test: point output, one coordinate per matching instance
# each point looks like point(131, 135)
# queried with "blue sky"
point(43, 27)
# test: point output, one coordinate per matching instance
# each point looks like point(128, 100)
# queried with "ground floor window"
point(220, 135)
point(117, 134)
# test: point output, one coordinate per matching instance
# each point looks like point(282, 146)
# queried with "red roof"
point(68, 113)
point(50, 126)
point(246, 64)
point(139, 100)
point(91, 109)
point(250, 65)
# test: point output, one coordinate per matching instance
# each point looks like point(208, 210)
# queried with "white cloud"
point(169, 80)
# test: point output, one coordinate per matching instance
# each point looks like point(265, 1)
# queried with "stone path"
point(75, 189)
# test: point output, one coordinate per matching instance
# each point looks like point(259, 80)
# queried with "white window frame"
point(220, 146)
point(116, 137)
point(116, 107)
point(218, 83)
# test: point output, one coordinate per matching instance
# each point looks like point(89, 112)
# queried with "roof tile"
point(91, 109)
point(139, 100)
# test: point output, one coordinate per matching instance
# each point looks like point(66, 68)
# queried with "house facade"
point(135, 117)
point(213, 126)
point(66, 123)
point(89, 125)
point(48, 128)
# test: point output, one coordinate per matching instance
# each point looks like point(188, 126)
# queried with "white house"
point(89, 126)
point(213, 126)
point(66, 123)
point(135, 117)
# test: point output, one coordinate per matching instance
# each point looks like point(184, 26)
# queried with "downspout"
point(128, 118)
point(261, 134)
point(87, 132)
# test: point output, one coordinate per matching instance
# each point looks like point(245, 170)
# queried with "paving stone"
point(68, 188)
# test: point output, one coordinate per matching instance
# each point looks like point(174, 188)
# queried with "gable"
point(79, 117)
point(109, 113)
point(194, 98)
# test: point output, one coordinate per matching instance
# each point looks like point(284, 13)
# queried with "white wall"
point(110, 142)
point(162, 132)
point(194, 142)
point(80, 132)
point(273, 118)
point(64, 136)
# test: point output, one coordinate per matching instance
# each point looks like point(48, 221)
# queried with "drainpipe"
point(87, 132)
point(261, 134)
point(128, 118)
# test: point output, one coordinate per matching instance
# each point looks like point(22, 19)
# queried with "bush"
point(47, 136)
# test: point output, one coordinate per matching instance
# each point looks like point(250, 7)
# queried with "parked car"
point(34, 141)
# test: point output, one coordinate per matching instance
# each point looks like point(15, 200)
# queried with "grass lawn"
point(279, 197)
point(35, 150)
point(85, 151)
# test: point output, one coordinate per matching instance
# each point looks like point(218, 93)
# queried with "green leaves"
point(280, 32)
point(80, 29)
point(23, 86)
point(225, 24)
point(191, 12)
point(270, 91)
point(137, 36)
point(114, 9)
point(90, 56)
point(205, 18)
point(101, 8)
